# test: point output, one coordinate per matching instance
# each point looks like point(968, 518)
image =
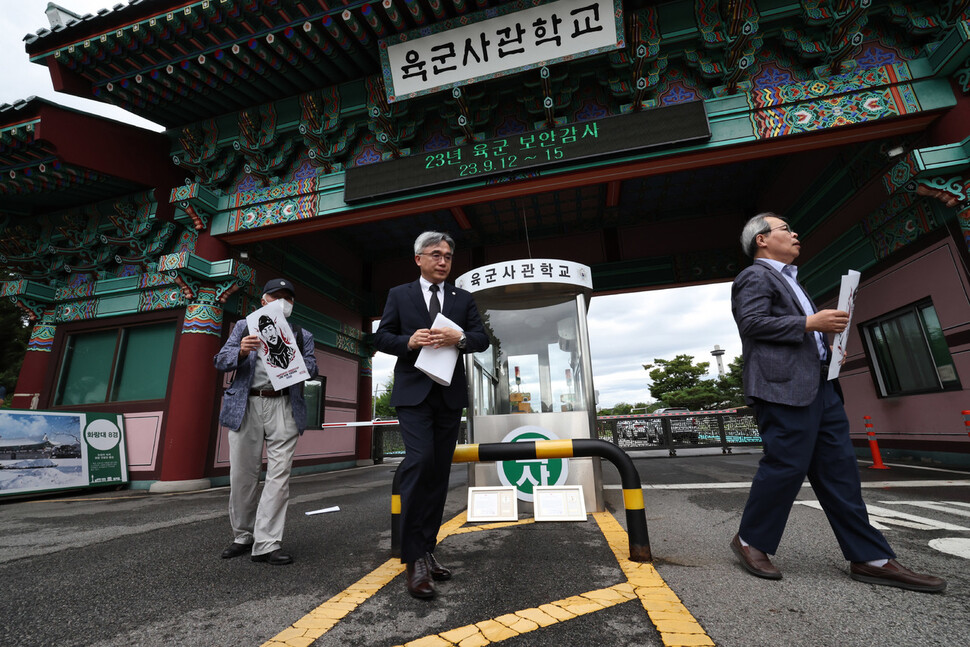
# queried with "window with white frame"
point(908, 352)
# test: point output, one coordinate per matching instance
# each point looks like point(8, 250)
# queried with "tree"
point(13, 344)
point(703, 396)
point(680, 383)
point(624, 409)
point(731, 385)
point(382, 404)
point(672, 375)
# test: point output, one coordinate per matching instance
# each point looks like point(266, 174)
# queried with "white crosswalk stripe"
point(884, 518)
point(881, 518)
point(949, 507)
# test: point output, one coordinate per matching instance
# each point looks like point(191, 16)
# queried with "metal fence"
point(724, 428)
point(387, 441)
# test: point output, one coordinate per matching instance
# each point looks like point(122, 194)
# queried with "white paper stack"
point(439, 363)
point(847, 295)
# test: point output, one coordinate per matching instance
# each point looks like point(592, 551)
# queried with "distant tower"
point(718, 352)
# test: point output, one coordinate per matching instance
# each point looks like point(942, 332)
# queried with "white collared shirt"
point(426, 292)
point(790, 273)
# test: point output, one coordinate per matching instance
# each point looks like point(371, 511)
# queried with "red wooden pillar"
point(189, 420)
point(32, 371)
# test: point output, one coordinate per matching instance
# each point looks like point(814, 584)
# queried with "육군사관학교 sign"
point(44, 451)
point(510, 38)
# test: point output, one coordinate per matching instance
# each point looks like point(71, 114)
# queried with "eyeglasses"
point(784, 227)
point(437, 257)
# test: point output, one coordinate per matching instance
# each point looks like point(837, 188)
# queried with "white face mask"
point(287, 308)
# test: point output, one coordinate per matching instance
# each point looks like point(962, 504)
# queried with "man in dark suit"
point(803, 425)
point(429, 413)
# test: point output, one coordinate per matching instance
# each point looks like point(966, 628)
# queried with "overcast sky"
point(20, 79)
point(626, 331)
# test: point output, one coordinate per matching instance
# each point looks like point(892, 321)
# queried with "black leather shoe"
point(755, 561)
point(895, 574)
point(438, 572)
point(235, 550)
point(276, 558)
point(419, 579)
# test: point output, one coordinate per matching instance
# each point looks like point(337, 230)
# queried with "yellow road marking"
point(515, 624)
point(676, 625)
point(307, 629)
point(492, 526)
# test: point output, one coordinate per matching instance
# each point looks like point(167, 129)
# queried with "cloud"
point(33, 426)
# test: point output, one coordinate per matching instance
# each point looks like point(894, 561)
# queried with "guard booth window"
point(116, 365)
point(909, 353)
point(511, 377)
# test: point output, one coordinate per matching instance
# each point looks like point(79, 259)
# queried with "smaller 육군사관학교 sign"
point(532, 270)
point(281, 356)
point(42, 451)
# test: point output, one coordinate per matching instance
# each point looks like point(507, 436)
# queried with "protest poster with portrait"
point(278, 350)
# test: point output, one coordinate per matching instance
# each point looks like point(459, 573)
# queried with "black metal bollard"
point(636, 516)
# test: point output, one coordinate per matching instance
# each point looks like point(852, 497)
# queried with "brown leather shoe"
point(438, 572)
point(755, 561)
point(419, 579)
point(895, 574)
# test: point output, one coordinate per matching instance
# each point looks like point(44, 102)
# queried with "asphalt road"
point(121, 568)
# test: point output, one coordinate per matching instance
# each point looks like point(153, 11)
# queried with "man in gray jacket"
point(803, 425)
point(256, 414)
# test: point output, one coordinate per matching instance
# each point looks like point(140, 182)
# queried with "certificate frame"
point(559, 503)
point(498, 503)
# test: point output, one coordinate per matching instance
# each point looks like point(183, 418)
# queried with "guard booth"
point(535, 381)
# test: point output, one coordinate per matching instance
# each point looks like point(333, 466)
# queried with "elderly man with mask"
point(256, 414)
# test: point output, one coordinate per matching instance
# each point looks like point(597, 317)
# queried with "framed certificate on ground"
point(492, 504)
point(559, 503)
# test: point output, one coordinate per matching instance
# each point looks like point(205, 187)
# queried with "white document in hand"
point(847, 295)
point(439, 363)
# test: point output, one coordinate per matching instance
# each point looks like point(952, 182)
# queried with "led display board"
point(564, 144)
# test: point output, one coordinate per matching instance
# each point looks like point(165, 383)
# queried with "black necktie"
point(435, 306)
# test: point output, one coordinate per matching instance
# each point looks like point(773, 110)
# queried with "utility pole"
point(718, 352)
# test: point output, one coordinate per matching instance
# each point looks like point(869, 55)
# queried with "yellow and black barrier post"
point(636, 516)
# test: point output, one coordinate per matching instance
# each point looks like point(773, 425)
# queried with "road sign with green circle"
point(525, 474)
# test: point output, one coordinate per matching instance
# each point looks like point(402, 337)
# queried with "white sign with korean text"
point(419, 63)
point(533, 270)
point(850, 287)
point(278, 350)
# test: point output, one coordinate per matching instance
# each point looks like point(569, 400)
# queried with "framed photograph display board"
point(559, 503)
point(492, 504)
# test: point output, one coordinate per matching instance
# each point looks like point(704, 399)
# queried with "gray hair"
point(756, 226)
point(430, 239)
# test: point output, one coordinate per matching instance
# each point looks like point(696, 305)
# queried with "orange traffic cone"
point(877, 463)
